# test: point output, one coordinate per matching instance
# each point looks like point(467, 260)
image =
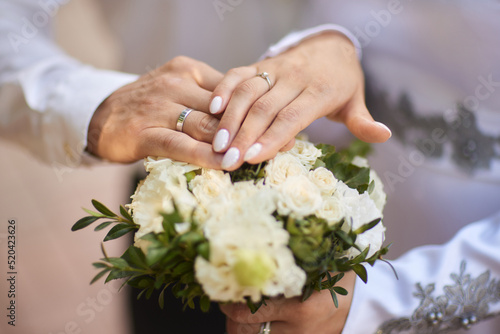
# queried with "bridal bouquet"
point(285, 227)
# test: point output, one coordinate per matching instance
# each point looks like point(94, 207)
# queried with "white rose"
point(283, 166)
point(331, 209)
point(324, 180)
point(306, 152)
point(299, 196)
point(210, 185)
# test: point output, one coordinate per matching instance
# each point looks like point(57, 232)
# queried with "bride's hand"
point(140, 119)
point(316, 315)
point(319, 77)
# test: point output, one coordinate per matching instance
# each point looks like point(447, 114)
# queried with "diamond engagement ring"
point(265, 76)
point(265, 328)
point(182, 117)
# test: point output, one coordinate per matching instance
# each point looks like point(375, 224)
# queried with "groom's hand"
point(140, 119)
point(316, 315)
point(319, 77)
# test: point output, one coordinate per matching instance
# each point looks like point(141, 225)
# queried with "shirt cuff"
point(295, 38)
point(75, 100)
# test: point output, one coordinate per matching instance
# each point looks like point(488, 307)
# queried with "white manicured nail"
point(230, 158)
point(253, 151)
point(215, 105)
point(221, 140)
point(382, 125)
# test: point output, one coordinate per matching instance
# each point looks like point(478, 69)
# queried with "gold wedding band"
point(182, 117)
point(265, 76)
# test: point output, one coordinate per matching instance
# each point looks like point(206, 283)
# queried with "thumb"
point(360, 123)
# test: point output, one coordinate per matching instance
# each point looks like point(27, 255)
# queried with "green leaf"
point(125, 214)
point(117, 274)
point(83, 222)
point(308, 291)
point(326, 149)
point(356, 148)
point(203, 250)
point(135, 257)
point(367, 226)
point(155, 254)
point(340, 290)
point(205, 303)
point(182, 268)
point(161, 299)
point(254, 307)
point(361, 272)
point(118, 262)
point(99, 275)
point(334, 297)
point(103, 209)
point(355, 177)
point(344, 237)
point(102, 226)
point(118, 231)
point(100, 265)
point(93, 213)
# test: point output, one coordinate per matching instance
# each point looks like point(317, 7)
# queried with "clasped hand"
point(237, 117)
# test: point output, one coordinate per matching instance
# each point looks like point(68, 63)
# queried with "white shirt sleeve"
point(46, 98)
point(296, 37)
point(458, 285)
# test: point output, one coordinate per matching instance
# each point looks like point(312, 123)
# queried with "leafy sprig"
point(123, 224)
point(318, 250)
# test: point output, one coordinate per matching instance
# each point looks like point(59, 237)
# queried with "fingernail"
point(382, 125)
point(253, 151)
point(230, 158)
point(221, 140)
point(215, 105)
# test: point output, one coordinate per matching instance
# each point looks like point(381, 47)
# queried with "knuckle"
point(246, 88)
point(262, 106)
point(179, 62)
point(239, 72)
point(321, 88)
point(208, 124)
point(169, 83)
point(291, 115)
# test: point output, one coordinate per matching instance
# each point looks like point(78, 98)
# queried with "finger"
point(178, 146)
point(197, 124)
point(204, 75)
point(288, 146)
point(259, 118)
point(207, 77)
point(358, 120)
point(241, 101)
point(200, 126)
point(185, 92)
point(224, 90)
point(288, 123)
point(233, 327)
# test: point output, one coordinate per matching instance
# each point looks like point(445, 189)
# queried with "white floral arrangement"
point(286, 227)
